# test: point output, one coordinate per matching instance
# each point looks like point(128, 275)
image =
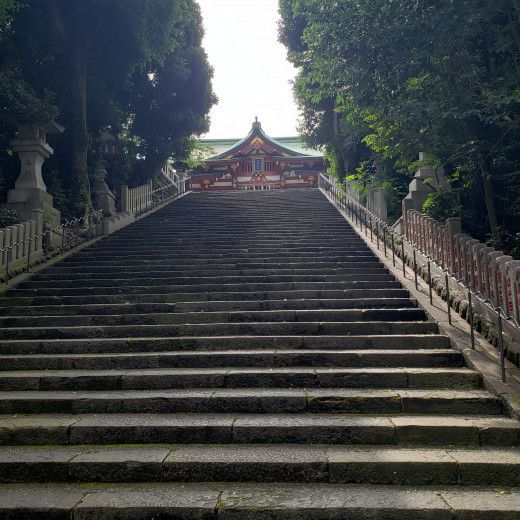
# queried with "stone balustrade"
point(489, 273)
point(20, 240)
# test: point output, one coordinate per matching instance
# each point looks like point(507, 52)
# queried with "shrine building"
point(258, 162)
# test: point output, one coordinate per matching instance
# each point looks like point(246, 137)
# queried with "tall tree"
point(433, 76)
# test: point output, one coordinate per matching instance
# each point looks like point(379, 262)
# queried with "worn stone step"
point(275, 250)
point(57, 273)
point(125, 281)
point(262, 463)
point(134, 358)
point(287, 501)
point(208, 287)
point(223, 428)
point(143, 268)
point(240, 377)
point(225, 306)
point(272, 316)
point(221, 329)
point(31, 299)
point(405, 342)
point(256, 400)
point(248, 263)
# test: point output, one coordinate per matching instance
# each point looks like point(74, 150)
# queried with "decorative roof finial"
point(256, 119)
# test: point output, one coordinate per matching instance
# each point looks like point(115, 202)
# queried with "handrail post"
point(501, 346)
point(470, 310)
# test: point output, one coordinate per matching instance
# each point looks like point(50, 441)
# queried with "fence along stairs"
point(241, 355)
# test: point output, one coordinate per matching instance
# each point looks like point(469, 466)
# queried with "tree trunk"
point(338, 144)
point(79, 124)
point(488, 196)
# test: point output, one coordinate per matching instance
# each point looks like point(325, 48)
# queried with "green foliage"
point(199, 153)
point(442, 204)
point(136, 68)
point(8, 217)
point(369, 75)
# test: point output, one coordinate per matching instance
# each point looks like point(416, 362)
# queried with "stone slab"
point(247, 463)
point(401, 466)
point(325, 502)
point(313, 428)
point(156, 428)
point(119, 464)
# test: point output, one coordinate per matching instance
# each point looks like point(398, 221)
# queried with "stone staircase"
point(234, 356)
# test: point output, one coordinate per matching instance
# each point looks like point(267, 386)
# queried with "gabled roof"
point(255, 141)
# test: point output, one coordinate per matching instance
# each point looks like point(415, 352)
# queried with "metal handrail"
point(357, 211)
point(159, 196)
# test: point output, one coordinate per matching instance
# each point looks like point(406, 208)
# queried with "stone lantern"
point(30, 192)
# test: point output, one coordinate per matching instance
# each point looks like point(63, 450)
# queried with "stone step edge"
point(240, 377)
point(242, 428)
point(258, 400)
point(368, 315)
point(220, 501)
point(262, 462)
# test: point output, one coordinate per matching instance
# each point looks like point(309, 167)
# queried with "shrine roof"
point(286, 147)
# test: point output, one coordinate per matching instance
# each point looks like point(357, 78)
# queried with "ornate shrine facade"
point(257, 162)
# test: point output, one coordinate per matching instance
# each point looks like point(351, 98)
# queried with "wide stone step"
point(384, 342)
point(287, 501)
point(188, 271)
point(178, 296)
point(208, 287)
point(195, 265)
point(124, 281)
point(221, 329)
point(210, 253)
point(134, 358)
point(257, 400)
point(226, 306)
point(59, 272)
point(262, 463)
point(273, 316)
point(250, 263)
point(217, 428)
point(242, 377)
point(221, 247)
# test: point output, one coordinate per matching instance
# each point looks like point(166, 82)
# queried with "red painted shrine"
point(258, 162)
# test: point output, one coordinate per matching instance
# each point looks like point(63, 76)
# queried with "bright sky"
point(252, 74)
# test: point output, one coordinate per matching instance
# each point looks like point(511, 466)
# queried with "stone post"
point(437, 228)
point(512, 294)
point(502, 281)
point(453, 227)
point(456, 254)
point(492, 271)
point(477, 270)
point(20, 231)
point(469, 261)
point(484, 270)
point(27, 238)
point(37, 216)
point(125, 198)
point(7, 243)
point(414, 227)
point(444, 246)
point(14, 240)
point(517, 287)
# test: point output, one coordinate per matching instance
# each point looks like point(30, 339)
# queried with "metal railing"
point(143, 199)
point(396, 241)
point(54, 241)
